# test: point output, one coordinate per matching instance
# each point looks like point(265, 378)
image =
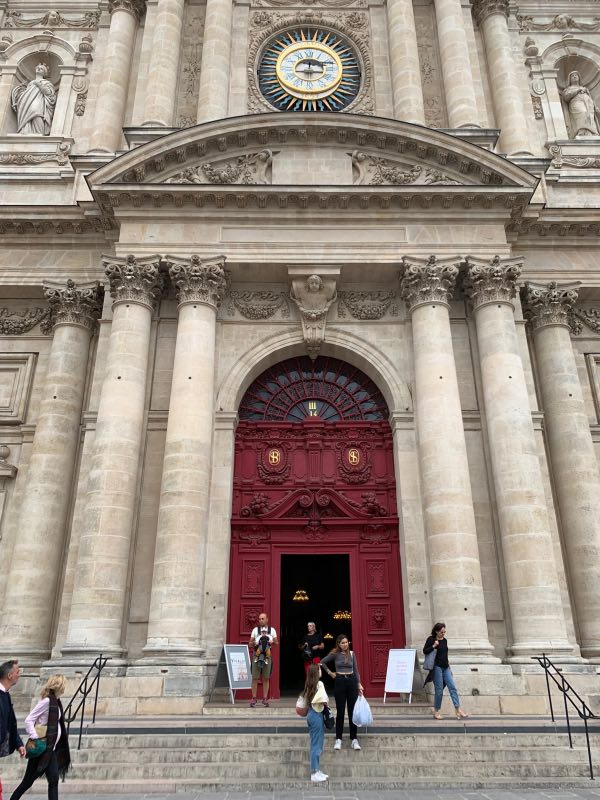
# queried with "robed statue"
point(34, 103)
point(583, 112)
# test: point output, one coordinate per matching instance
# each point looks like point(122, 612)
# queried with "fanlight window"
point(328, 389)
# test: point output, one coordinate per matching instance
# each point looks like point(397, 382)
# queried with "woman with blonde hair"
point(315, 697)
point(46, 721)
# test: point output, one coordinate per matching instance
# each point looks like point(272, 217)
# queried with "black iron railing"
point(570, 697)
point(77, 704)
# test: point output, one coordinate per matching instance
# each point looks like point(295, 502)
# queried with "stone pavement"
point(312, 793)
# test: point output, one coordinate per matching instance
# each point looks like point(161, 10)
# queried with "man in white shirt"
point(262, 639)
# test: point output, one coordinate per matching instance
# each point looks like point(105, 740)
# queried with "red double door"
point(318, 490)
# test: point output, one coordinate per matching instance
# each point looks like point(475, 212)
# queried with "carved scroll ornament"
point(254, 168)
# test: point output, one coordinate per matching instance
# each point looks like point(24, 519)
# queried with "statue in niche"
point(34, 104)
point(583, 112)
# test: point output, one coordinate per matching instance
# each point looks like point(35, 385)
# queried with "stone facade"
point(159, 240)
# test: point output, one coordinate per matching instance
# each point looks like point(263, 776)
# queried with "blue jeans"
point(441, 678)
point(316, 731)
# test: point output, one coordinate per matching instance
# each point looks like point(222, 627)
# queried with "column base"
point(557, 652)
point(166, 653)
point(29, 658)
point(84, 656)
point(591, 652)
point(472, 651)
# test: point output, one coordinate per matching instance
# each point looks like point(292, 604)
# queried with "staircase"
point(233, 748)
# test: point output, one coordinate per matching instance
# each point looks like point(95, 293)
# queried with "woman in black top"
point(441, 674)
point(312, 646)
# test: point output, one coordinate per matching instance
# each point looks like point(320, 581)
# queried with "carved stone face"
point(53, 18)
point(574, 78)
point(41, 71)
point(314, 283)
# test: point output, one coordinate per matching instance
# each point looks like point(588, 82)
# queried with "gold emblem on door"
point(274, 457)
point(354, 456)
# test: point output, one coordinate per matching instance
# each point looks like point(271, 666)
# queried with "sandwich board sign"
point(235, 660)
point(400, 672)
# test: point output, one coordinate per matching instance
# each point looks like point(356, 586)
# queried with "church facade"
point(300, 313)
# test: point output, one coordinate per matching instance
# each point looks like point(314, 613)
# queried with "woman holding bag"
point(347, 687)
point(436, 661)
point(54, 759)
point(315, 698)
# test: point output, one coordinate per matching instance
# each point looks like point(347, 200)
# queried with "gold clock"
point(309, 70)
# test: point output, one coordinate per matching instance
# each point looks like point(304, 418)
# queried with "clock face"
point(309, 70)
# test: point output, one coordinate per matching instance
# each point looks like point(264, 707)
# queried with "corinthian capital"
point(427, 282)
point(74, 305)
point(198, 281)
point(135, 7)
point(134, 280)
point(549, 304)
point(485, 8)
point(495, 282)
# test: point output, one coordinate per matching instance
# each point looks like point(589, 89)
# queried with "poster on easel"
point(235, 664)
point(400, 672)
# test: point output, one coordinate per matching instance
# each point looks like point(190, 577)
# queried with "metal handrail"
point(86, 686)
point(570, 695)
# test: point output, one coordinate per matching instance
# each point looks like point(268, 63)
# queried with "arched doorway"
point(314, 523)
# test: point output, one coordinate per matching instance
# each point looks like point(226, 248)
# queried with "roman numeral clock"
point(309, 69)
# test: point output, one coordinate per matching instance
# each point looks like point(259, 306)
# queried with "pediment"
point(329, 152)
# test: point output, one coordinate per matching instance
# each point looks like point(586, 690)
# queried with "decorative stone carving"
point(135, 7)
point(191, 58)
point(584, 115)
point(80, 104)
point(428, 282)
point(326, 3)
point(198, 281)
point(250, 169)
point(484, 8)
point(560, 22)
point(258, 304)
point(366, 305)
point(74, 305)
point(431, 78)
point(590, 317)
point(538, 110)
point(34, 103)
point(579, 162)
point(269, 23)
point(6, 470)
point(14, 323)
point(549, 304)
point(134, 280)
point(495, 282)
point(20, 159)
point(376, 171)
point(314, 297)
point(51, 19)
point(530, 48)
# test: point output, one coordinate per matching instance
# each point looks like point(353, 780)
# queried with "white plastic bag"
point(361, 715)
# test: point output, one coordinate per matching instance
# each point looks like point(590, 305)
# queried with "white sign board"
point(400, 671)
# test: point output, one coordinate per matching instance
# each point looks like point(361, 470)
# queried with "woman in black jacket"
point(441, 674)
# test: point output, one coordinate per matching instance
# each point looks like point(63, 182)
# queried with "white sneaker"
point(355, 744)
point(318, 777)
point(338, 744)
point(322, 774)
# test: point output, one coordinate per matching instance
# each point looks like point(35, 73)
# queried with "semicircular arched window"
point(327, 388)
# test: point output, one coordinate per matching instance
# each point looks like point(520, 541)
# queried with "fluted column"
point(534, 598)
point(100, 588)
point(455, 571)
point(175, 622)
point(161, 87)
point(404, 62)
point(459, 89)
point(114, 79)
point(574, 464)
point(491, 16)
point(38, 551)
point(213, 94)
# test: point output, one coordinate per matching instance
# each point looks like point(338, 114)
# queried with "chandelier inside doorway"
point(327, 389)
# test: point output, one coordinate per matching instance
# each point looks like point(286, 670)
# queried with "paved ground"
point(400, 794)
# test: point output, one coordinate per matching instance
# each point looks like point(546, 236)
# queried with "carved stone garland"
point(52, 19)
point(15, 323)
point(249, 169)
point(354, 25)
point(257, 304)
point(367, 305)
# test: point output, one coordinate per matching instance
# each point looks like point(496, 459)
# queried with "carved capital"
point(135, 7)
point(74, 305)
point(134, 280)
point(549, 304)
point(429, 282)
point(495, 282)
point(314, 297)
point(482, 9)
point(198, 281)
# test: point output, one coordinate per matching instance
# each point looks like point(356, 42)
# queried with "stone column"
point(456, 66)
point(491, 16)
point(404, 62)
point(114, 80)
point(38, 552)
point(100, 587)
point(161, 88)
point(572, 456)
point(175, 622)
point(537, 618)
point(456, 585)
point(213, 94)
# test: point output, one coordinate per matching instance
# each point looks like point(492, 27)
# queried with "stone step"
point(286, 708)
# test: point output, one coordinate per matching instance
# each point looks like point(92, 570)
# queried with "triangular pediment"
point(334, 153)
